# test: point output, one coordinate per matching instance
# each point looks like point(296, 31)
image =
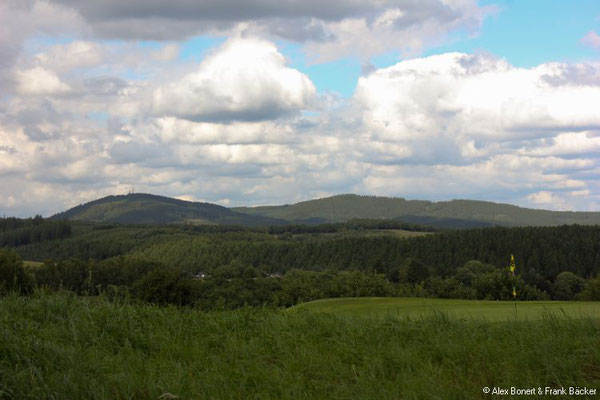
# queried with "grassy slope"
point(416, 307)
point(54, 346)
point(345, 207)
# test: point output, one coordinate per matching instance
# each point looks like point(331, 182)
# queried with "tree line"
point(552, 262)
point(19, 232)
point(239, 284)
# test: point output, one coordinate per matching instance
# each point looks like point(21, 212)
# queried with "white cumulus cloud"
point(455, 106)
point(245, 79)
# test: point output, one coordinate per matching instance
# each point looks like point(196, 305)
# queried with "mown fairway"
point(469, 309)
point(57, 346)
point(32, 264)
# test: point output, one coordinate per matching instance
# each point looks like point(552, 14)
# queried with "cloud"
point(103, 85)
point(473, 126)
point(591, 39)
point(40, 81)
point(548, 200)
point(223, 10)
point(407, 27)
point(137, 152)
point(243, 80)
point(19, 21)
point(330, 29)
point(175, 130)
point(569, 144)
point(65, 57)
point(168, 52)
point(456, 108)
point(85, 118)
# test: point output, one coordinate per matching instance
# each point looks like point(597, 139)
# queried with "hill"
point(141, 208)
point(446, 214)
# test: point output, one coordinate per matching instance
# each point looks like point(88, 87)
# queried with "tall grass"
point(58, 346)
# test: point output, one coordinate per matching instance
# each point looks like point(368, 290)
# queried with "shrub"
point(12, 274)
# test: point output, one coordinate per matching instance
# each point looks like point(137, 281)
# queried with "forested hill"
point(151, 209)
point(143, 208)
point(455, 213)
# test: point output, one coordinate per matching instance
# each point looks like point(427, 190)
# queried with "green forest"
point(225, 267)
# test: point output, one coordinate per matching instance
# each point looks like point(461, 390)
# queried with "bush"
point(591, 290)
point(12, 274)
point(166, 286)
point(567, 286)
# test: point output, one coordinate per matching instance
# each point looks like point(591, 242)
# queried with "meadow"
point(288, 312)
point(463, 309)
point(62, 346)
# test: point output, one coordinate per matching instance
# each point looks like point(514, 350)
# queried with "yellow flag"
point(512, 264)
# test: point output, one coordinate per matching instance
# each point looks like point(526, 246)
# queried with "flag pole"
point(514, 292)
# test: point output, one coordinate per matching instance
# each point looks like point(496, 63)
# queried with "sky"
point(255, 102)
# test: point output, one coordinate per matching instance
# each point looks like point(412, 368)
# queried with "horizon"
point(267, 103)
point(283, 204)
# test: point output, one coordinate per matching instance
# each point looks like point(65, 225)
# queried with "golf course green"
point(465, 309)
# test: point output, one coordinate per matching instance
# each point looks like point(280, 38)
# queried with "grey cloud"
point(7, 149)
point(300, 30)
point(115, 126)
point(160, 20)
point(304, 124)
point(266, 112)
point(38, 135)
point(476, 63)
point(40, 112)
point(593, 133)
point(11, 34)
point(141, 153)
point(590, 175)
point(154, 28)
point(574, 74)
point(534, 131)
point(366, 68)
point(417, 11)
point(11, 38)
point(243, 171)
point(297, 20)
point(104, 85)
point(217, 10)
point(56, 177)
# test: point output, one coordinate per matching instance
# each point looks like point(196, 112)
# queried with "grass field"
point(32, 264)
point(351, 233)
point(60, 346)
point(465, 309)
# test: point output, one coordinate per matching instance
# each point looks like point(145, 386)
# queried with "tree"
point(12, 274)
point(591, 290)
point(416, 271)
point(165, 286)
point(567, 285)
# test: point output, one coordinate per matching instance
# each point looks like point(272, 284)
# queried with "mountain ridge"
point(340, 208)
point(144, 208)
